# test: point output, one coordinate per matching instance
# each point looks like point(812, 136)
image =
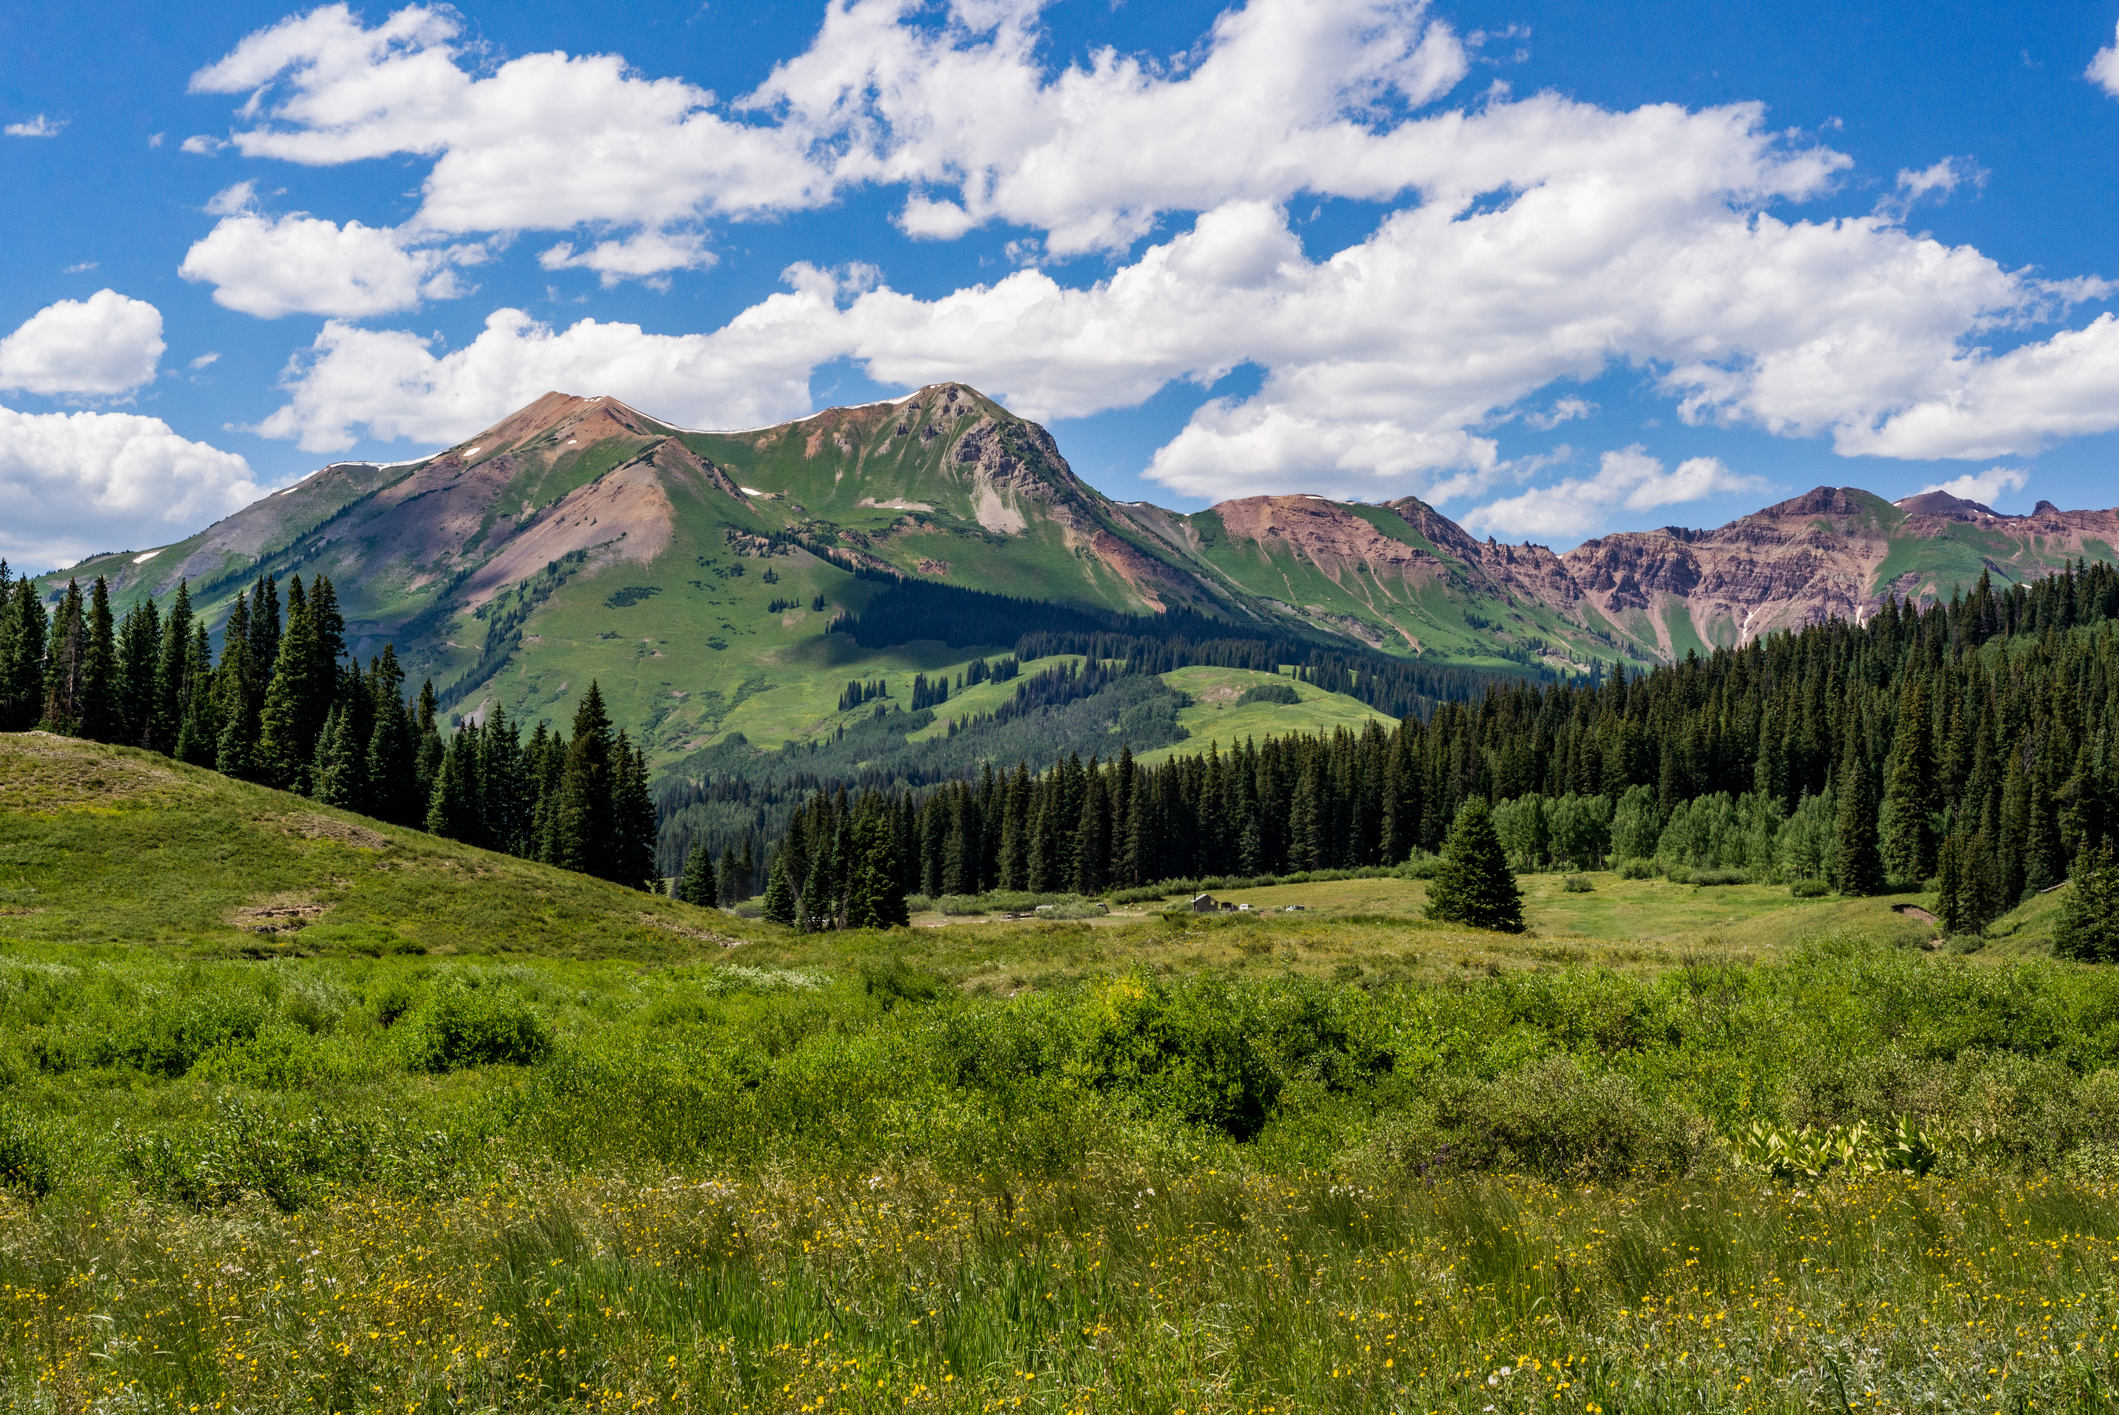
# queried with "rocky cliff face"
point(1831, 552)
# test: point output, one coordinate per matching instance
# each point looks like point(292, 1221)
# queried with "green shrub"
point(1073, 909)
point(1678, 874)
point(482, 1027)
point(1720, 876)
point(1549, 1118)
point(1636, 869)
point(1809, 889)
point(898, 981)
point(1418, 865)
point(25, 1154)
point(1283, 693)
point(391, 1000)
point(918, 903)
point(1577, 884)
point(1180, 1051)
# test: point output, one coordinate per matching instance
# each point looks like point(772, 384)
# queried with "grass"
point(567, 1147)
point(1216, 717)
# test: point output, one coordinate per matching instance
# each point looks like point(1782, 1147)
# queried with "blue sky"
point(1560, 268)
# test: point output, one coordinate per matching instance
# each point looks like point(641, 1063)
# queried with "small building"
point(1204, 904)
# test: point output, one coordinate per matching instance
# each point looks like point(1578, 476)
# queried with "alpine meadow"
point(1240, 707)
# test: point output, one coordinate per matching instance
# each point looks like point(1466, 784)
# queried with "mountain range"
point(696, 574)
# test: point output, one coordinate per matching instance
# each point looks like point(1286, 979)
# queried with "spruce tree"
point(165, 713)
point(1858, 864)
point(875, 896)
point(779, 894)
point(22, 676)
point(452, 811)
point(1909, 849)
point(1949, 885)
point(586, 824)
point(1472, 884)
point(696, 884)
point(100, 714)
point(199, 734)
point(286, 744)
point(139, 649)
point(2088, 926)
point(64, 665)
point(820, 890)
point(632, 818)
point(2044, 858)
point(341, 777)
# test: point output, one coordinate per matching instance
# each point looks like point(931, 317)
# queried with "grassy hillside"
point(1217, 715)
point(108, 846)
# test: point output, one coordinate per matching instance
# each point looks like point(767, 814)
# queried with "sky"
point(1559, 268)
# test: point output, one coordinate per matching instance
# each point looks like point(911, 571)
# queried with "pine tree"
point(696, 884)
point(165, 717)
point(2088, 927)
point(1858, 864)
point(2015, 829)
point(875, 893)
point(100, 714)
point(200, 730)
point(1909, 849)
point(1472, 884)
point(139, 649)
point(2044, 860)
point(64, 665)
point(780, 895)
point(341, 777)
point(22, 677)
point(264, 629)
point(452, 811)
point(632, 818)
point(820, 888)
point(286, 741)
point(1949, 885)
point(586, 824)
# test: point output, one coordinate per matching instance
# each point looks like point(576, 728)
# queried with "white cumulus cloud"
point(1629, 479)
point(1550, 240)
point(301, 264)
point(102, 346)
point(1984, 486)
point(78, 483)
point(2104, 69)
point(37, 127)
point(391, 384)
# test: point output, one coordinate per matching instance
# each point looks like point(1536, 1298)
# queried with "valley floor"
point(298, 1112)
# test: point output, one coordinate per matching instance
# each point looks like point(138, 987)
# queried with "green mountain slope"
point(697, 575)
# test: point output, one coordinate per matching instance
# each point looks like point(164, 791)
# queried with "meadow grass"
point(462, 1132)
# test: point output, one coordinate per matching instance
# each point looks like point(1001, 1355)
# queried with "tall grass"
point(521, 1184)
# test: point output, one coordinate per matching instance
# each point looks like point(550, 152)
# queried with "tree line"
point(284, 705)
point(1971, 744)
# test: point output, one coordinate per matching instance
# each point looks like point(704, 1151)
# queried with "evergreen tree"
point(632, 818)
point(1949, 885)
point(65, 665)
point(1858, 864)
point(820, 890)
point(165, 713)
point(696, 884)
point(139, 650)
point(1909, 848)
point(780, 895)
point(452, 810)
point(2015, 829)
point(876, 892)
point(293, 699)
point(341, 775)
point(1472, 884)
point(2088, 927)
point(100, 714)
point(198, 734)
point(586, 824)
point(22, 677)
point(2044, 859)
point(264, 630)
